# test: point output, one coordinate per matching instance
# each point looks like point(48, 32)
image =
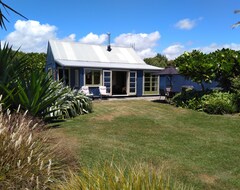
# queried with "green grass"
point(197, 149)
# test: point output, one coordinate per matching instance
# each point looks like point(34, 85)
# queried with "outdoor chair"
point(103, 91)
point(162, 95)
point(170, 93)
point(85, 91)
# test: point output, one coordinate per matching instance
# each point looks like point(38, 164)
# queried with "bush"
point(69, 104)
point(110, 176)
point(218, 103)
point(27, 160)
point(236, 92)
point(188, 98)
point(36, 91)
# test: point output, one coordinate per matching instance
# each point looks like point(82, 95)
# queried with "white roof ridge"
point(76, 60)
point(91, 44)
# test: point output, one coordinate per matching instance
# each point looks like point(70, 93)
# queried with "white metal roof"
point(76, 54)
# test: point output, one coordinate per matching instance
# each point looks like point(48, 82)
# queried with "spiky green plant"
point(36, 91)
point(70, 104)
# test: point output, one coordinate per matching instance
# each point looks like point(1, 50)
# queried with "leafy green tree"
point(35, 61)
point(227, 66)
point(236, 90)
point(159, 60)
point(196, 66)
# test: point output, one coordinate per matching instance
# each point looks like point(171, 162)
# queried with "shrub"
point(218, 103)
point(69, 104)
point(36, 91)
point(236, 92)
point(188, 98)
point(26, 160)
point(110, 176)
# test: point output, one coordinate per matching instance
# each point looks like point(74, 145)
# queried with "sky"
point(168, 27)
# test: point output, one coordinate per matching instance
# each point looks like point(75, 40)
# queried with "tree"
point(227, 66)
point(196, 66)
point(35, 61)
point(159, 60)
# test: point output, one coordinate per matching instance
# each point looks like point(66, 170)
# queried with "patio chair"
point(85, 91)
point(162, 95)
point(103, 91)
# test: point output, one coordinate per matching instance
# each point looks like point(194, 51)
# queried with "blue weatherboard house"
point(120, 69)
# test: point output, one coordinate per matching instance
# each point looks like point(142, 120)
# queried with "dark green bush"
point(236, 90)
point(188, 98)
point(218, 103)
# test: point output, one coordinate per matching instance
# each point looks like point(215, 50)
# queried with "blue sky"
point(168, 27)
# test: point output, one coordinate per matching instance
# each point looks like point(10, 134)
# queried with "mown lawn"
point(196, 149)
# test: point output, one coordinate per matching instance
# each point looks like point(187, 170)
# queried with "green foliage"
point(27, 161)
point(69, 104)
point(218, 103)
point(196, 66)
point(236, 92)
point(11, 66)
point(211, 102)
point(227, 66)
point(188, 98)
point(159, 61)
point(221, 66)
point(35, 61)
point(111, 176)
point(35, 91)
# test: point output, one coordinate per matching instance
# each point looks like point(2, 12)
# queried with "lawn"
point(196, 149)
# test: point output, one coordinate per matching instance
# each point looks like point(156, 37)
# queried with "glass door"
point(107, 80)
point(132, 83)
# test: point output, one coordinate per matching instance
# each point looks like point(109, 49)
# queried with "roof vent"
point(109, 45)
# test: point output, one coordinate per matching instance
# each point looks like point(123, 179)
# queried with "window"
point(76, 82)
point(64, 76)
point(151, 83)
point(92, 77)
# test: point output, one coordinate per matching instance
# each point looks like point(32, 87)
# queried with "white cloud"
point(94, 38)
point(142, 42)
point(174, 51)
point(213, 47)
point(31, 36)
point(70, 38)
point(186, 24)
point(147, 53)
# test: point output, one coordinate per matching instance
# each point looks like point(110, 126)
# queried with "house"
point(170, 77)
point(120, 69)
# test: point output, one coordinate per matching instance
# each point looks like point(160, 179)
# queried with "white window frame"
point(69, 74)
point(143, 89)
point(129, 83)
point(92, 69)
point(76, 78)
point(103, 76)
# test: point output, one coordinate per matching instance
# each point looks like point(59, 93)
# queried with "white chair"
point(85, 90)
point(103, 91)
